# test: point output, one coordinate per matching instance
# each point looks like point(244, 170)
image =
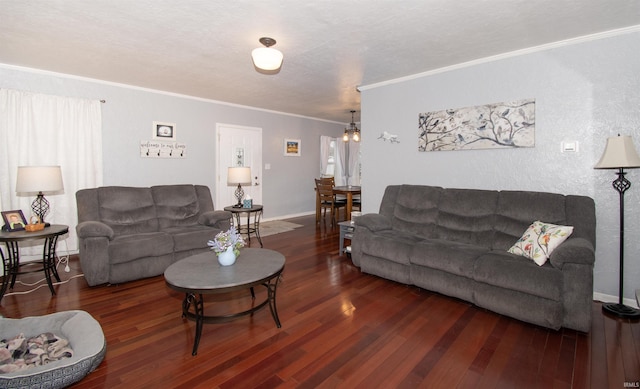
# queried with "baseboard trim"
point(606, 298)
point(290, 216)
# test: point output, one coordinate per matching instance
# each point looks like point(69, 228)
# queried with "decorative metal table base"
point(11, 263)
point(197, 302)
point(250, 228)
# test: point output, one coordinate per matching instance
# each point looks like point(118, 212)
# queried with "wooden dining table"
point(349, 191)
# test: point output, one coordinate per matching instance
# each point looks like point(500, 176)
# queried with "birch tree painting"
point(500, 125)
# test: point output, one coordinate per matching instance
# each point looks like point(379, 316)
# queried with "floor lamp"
point(620, 154)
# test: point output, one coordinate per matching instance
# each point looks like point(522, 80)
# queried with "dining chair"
point(329, 179)
point(327, 200)
point(356, 203)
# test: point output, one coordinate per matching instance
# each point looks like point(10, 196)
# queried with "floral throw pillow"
point(539, 240)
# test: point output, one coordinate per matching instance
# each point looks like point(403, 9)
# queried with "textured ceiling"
point(202, 47)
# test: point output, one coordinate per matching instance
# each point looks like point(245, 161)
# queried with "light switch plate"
point(570, 146)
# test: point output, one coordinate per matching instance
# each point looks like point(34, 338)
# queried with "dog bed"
point(85, 337)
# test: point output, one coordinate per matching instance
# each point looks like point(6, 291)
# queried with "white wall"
point(584, 92)
point(288, 187)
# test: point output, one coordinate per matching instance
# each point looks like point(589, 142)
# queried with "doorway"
point(238, 146)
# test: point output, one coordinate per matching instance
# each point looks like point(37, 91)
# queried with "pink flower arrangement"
point(225, 239)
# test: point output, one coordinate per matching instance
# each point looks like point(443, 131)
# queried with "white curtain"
point(340, 176)
point(325, 153)
point(347, 163)
point(37, 130)
point(354, 163)
point(343, 151)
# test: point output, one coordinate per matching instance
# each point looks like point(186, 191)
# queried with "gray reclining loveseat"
point(127, 233)
point(456, 242)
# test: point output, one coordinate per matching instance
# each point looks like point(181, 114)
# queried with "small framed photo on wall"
point(292, 147)
point(13, 220)
point(164, 131)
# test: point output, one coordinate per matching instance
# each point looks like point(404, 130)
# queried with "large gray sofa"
point(128, 233)
point(456, 242)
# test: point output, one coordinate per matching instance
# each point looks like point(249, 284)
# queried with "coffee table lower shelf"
point(196, 300)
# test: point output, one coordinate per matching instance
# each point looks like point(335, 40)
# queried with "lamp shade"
point(239, 175)
point(35, 179)
point(266, 58)
point(619, 153)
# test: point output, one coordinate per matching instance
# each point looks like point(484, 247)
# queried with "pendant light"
point(352, 131)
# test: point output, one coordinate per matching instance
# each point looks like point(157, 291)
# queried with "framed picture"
point(13, 220)
point(292, 147)
point(164, 131)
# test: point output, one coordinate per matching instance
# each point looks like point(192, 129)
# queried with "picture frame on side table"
point(292, 147)
point(13, 220)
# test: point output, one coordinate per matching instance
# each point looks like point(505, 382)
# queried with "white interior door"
point(238, 146)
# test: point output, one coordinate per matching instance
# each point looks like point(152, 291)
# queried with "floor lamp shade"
point(38, 180)
point(620, 153)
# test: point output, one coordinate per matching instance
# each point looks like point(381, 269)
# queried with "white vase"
point(227, 258)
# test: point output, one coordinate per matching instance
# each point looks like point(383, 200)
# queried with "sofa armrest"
point(214, 219)
point(94, 229)
point(573, 250)
point(373, 222)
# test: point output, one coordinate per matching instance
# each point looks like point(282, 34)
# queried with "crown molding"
point(511, 54)
point(156, 91)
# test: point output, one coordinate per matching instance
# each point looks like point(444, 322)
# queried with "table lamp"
point(39, 179)
point(619, 154)
point(239, 175)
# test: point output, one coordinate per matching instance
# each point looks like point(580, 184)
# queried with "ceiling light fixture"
point(352, 131)
point(267, 58)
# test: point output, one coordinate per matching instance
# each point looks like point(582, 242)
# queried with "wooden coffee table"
point(202, 274)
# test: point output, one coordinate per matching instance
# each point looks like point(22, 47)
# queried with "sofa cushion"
point(416, 210)
point(467, 216)
point(517, 209)
point(127, 210)
point(176, 205)
point(452, 257)
point(125, 248)
point(514, 272)
point(539, 241)
point(391, 245)
point(191, 237)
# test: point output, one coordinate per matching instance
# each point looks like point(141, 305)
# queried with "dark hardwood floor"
point(340, 328)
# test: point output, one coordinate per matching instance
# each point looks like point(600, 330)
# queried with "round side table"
point(11, 263)
point(249, 229)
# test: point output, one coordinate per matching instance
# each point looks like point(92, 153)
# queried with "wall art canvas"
point(492, 126)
